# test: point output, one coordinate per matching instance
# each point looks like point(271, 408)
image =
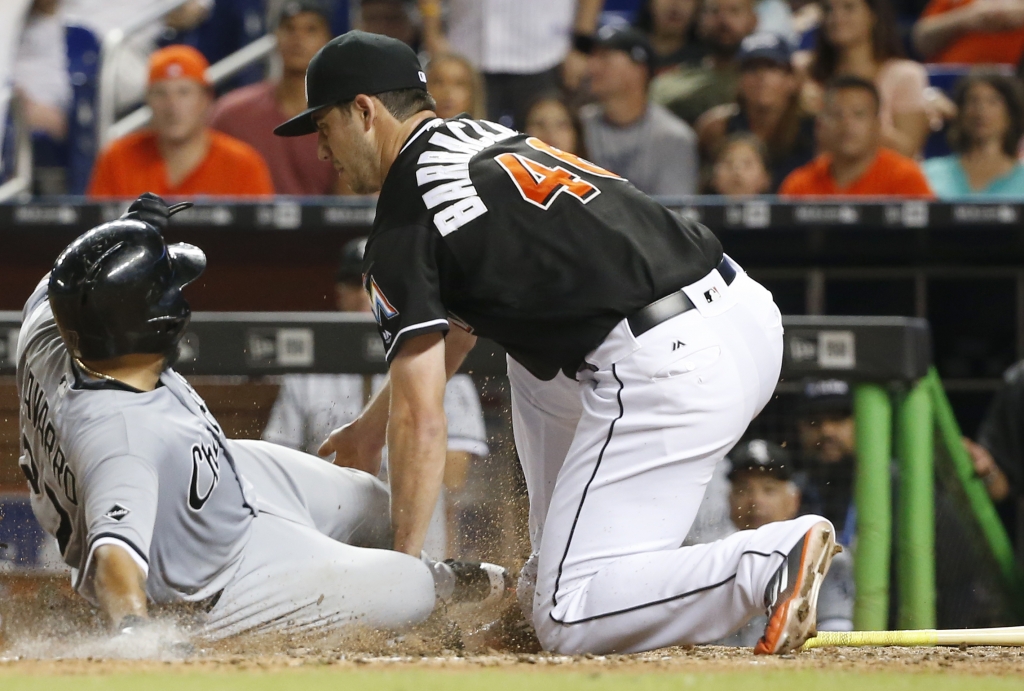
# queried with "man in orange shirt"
point(850, 130)
point(179, 155)
point(971, 31)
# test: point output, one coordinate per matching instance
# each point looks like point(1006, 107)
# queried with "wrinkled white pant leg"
point(657, 415)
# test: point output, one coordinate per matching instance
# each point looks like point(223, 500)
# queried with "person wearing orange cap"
point(178, 154)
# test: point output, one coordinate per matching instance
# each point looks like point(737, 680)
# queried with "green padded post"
point(873, 499)
point(915, 546)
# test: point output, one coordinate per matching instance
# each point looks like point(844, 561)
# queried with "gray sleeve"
point(37, 298)
point(835, 602)
point(677, 160)
point(466, 430)
point(287, 423)
point(120, 496)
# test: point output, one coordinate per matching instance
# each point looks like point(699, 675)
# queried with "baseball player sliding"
point(638, 354)
point(147, 498)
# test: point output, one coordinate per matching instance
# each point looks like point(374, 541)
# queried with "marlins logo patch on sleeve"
point(379, 303)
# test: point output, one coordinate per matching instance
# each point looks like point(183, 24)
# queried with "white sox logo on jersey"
point(205, 474)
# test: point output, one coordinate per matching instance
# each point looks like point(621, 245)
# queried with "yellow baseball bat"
point(1007, 635)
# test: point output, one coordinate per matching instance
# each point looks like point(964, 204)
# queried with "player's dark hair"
point(849, 81)
point(405, 103)
point(1013, 100)
point(885, 41)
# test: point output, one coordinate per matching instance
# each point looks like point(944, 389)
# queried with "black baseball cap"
point(292, 8)
point(352, 64)
point(761, 456)
point(826, 396)
point(767, 47)
point(631, 41)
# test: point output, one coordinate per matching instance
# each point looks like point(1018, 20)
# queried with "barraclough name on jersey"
point(37, 410)
point(455, 143)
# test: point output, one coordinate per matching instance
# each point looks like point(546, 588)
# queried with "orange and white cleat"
point(791, 597)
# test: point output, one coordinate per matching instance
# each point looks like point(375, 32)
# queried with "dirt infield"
point(51, 632)
point(699, 660)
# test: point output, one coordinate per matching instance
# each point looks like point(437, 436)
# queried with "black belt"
point(674, 304)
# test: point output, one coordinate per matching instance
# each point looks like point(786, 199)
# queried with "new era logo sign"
point(117, 512)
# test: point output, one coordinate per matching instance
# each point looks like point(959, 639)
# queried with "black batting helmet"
point(116, 290)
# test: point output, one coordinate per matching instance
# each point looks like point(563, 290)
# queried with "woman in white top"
point(860, 37)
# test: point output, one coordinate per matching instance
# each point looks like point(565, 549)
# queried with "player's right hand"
point(351, 449)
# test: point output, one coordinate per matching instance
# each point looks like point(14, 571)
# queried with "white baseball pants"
point(616, 465)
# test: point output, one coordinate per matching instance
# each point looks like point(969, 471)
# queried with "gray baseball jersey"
point(310, 406)
point(106, 464)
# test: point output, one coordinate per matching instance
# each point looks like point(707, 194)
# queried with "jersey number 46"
point(540, 184)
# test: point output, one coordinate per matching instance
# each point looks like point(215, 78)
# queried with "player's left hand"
point(352, 449)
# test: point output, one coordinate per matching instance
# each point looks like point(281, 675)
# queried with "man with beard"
point(691, 91)
point(826, 430)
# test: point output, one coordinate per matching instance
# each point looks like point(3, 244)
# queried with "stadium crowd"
point(729, 97)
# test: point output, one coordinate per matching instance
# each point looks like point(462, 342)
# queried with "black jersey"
point(519, 242)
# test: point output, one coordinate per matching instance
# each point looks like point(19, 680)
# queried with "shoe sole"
point(796, 620)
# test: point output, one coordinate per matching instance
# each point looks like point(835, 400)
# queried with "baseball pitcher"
point(638, 354)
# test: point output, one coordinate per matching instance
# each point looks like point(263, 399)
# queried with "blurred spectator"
point(390, 18)
point(12, 19)
point(341, 13)
point(763, 491)
point(998, 455)
point(179, 155)
point(807, 16)
point(552, 120)
point(776, 17)
point(985, 136)
point(626, 134)
point(230, 26)
point(688, 91)
point(861, 38)
point(456, 87)
point(850, 131)
point(971, 32)
point(517, 46)
point(41, 75)
point(740, 168)
point(252, 112)
point(827, 433)
point(132, 60)
point(826, 430)
point(671, 28)
point(768, 106)
point(310, 406)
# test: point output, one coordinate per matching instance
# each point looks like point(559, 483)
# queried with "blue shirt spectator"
point(949, 180)
point(984, 138)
